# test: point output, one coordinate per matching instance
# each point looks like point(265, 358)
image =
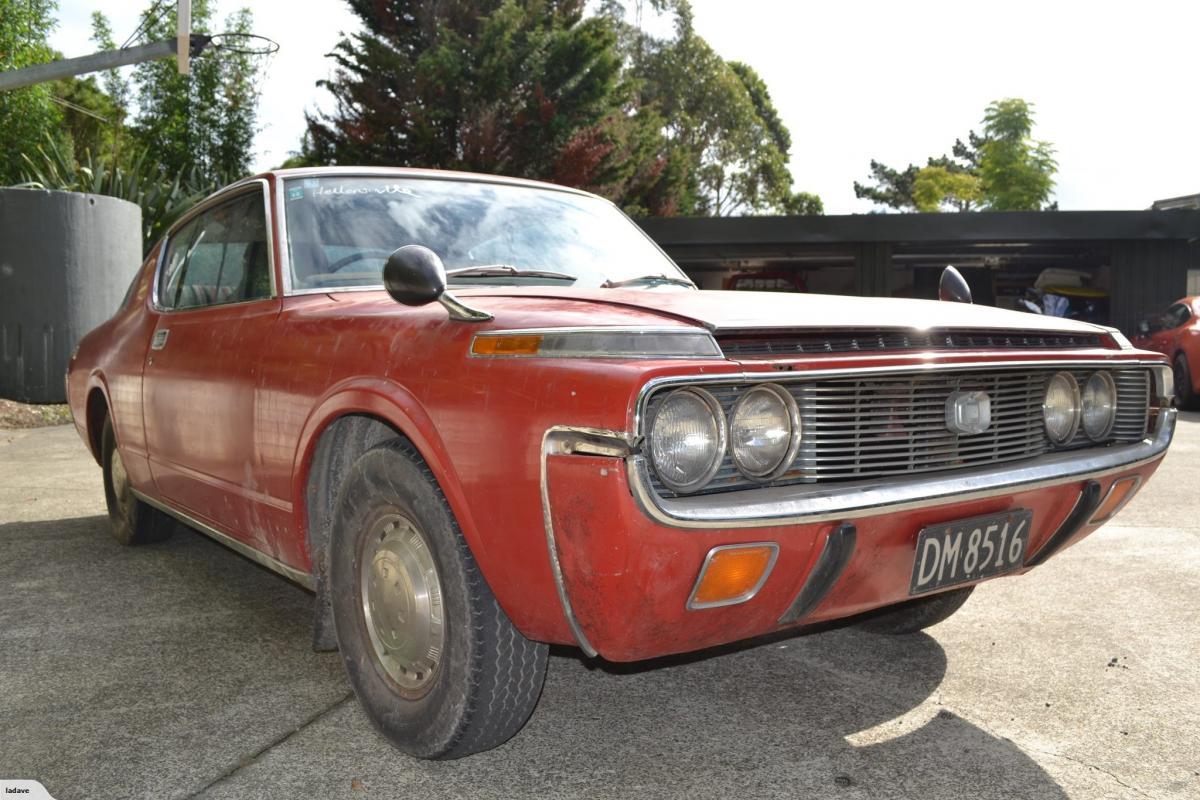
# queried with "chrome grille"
point(788, 344)
point(872, 427)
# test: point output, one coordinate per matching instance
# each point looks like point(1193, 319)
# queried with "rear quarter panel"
point(110, 360)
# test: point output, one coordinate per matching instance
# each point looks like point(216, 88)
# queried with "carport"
point(1132, 262)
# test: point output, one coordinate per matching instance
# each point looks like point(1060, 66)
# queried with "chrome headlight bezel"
point(1074, 409)
point(718, 455)
point(1101, 377)
point(795, 432)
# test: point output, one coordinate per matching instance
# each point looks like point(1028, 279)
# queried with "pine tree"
point(528, 88)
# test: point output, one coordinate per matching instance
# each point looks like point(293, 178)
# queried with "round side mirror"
point(953, 286)
point(414, 275)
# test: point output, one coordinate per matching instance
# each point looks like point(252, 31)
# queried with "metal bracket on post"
point(183, 37)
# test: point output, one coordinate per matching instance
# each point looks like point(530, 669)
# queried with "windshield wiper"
point(498, 270)
point(649, 280)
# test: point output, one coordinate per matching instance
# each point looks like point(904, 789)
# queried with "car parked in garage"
point(477, 416)
point(1175, 332)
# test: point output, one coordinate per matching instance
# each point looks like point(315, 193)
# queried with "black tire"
point(133, 522)
point(916, 615)
point(1185, 394)
point(489, 677)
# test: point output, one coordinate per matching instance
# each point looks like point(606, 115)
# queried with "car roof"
point(408, 172)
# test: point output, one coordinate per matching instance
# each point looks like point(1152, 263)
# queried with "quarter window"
point(218, 257)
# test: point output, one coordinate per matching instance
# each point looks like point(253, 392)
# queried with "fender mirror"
point(415, 276)
point(953, 286)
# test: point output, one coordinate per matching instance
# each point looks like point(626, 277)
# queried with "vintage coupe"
point(476, 416)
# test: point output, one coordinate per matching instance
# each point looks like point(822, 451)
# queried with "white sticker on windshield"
point(391, 188)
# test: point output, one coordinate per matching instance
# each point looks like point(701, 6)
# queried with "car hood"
point(725, 312)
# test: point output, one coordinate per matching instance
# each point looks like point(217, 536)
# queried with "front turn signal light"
point(732, 574)
point(1120, 493)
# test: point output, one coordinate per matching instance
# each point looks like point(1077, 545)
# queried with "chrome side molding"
point(241, 548)
point(564, 440)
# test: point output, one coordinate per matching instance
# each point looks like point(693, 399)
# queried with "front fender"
point(395, 405)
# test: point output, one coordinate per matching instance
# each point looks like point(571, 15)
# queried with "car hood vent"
point(777, 345)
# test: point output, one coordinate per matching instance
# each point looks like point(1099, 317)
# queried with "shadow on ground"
point(181, 668)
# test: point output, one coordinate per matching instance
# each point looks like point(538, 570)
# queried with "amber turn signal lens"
point(1120, 493)
point(517, 345)
point(732, 574)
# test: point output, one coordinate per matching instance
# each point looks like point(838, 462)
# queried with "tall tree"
point(25, 114)
point(1016, 172)
point(528, 88)
point(205, 120)
point(1003, 169)
point(719, 118)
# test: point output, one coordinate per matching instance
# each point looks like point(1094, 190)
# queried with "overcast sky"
point(1113, 84)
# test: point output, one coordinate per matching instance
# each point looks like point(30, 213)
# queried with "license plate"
point(969, 549)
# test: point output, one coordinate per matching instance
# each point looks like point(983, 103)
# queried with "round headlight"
point(687, 439)
point(1060, 408)
point(1099, 405)
point(764, 432)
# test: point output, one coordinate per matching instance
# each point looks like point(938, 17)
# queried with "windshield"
point(341, 229)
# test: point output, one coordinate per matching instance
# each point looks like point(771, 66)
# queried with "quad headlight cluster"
point(1066, 406)
point(689, 436)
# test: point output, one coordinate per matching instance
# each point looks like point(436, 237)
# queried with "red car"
point(477, 416)
point(1176, 334)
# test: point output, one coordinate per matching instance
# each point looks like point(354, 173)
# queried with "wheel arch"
point(348, 422)
point(96, 409)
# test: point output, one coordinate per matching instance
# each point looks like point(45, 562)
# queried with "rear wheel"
point(916, 615)
point(1185, 394)
point(434, 660)
point(133, 522)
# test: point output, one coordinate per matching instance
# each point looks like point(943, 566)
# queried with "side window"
point(218, 257)
point(1176, 315)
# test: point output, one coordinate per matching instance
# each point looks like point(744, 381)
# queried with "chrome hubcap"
point(402, 602)
point(120, 485)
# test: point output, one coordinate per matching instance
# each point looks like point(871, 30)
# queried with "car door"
point(216, 305)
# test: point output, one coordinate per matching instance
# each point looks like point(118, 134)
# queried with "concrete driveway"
point(183, 670)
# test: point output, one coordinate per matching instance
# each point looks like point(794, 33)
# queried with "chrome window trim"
point(223, 196)
point(241, 548)
point(285, 271)
point(744, 597)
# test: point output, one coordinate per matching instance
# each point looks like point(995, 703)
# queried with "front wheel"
point(1185, 394)
point(916, 615)
point(434, 660)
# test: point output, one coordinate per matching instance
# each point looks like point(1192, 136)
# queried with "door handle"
point(160, 339)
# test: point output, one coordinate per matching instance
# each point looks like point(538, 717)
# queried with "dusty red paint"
point(223, 424)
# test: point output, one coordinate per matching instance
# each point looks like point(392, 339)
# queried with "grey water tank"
point(66, 260)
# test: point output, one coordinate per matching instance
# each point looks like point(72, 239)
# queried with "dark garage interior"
point(1111, 267)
